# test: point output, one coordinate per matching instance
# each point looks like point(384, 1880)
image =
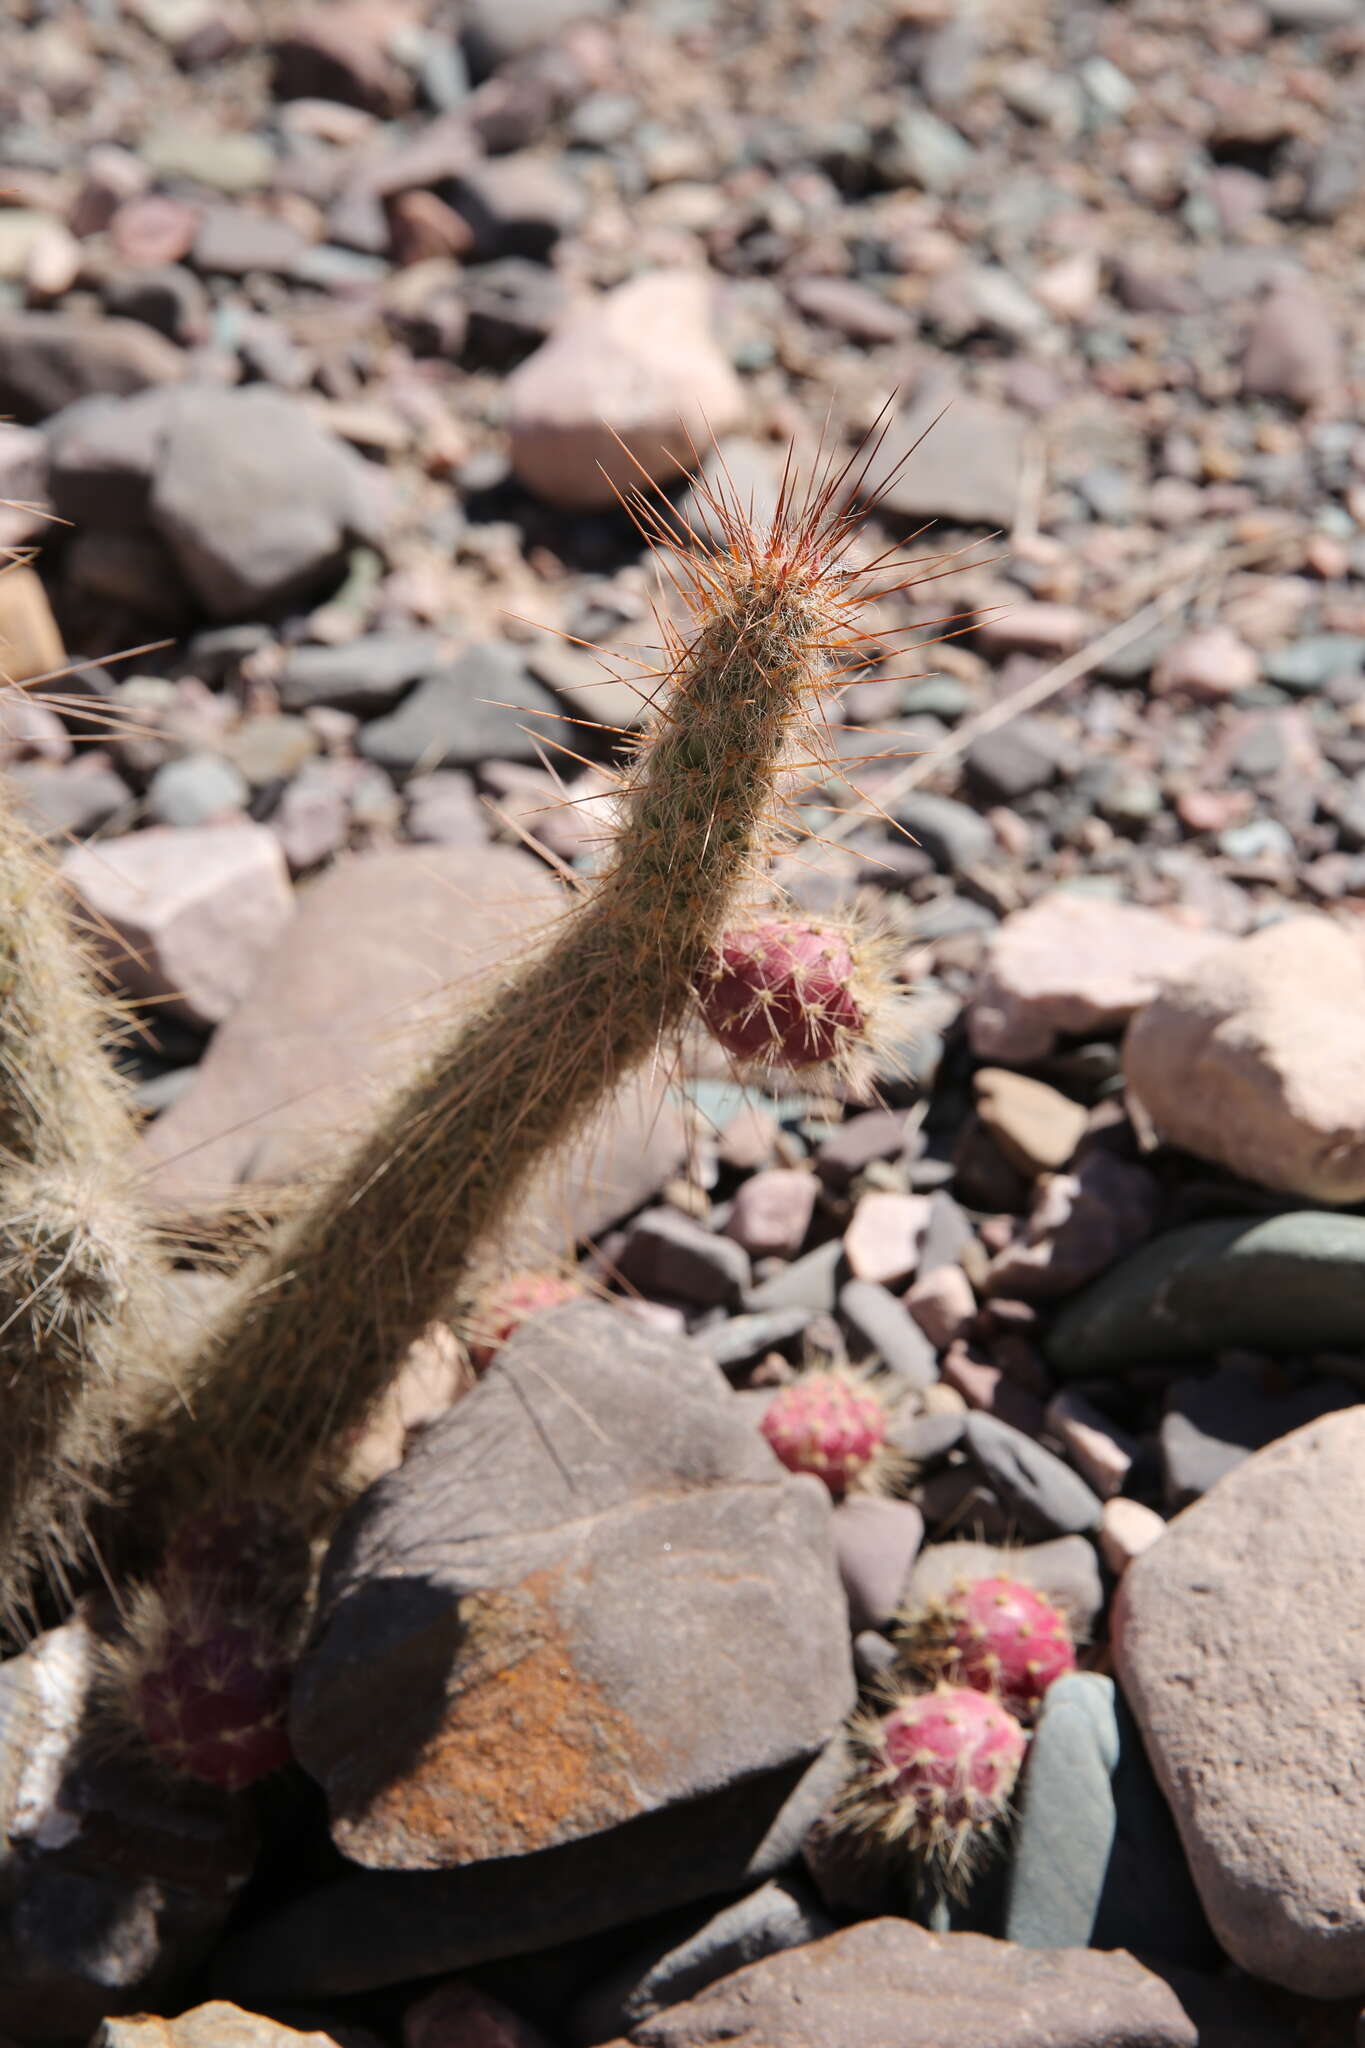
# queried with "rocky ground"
point(310, 321)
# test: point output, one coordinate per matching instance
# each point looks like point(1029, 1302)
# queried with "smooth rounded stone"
point(102, 457)
point(1293, 351)
point(812, 1281)
point(363, 676)
point(256, 500)
point(185, 918)
point(1048, 1498)
point(639, 363)
point(668, 1254)
point(1079, 1224)
point(875, 1656)
point(69, 801)
point(444, 809)
point(771, 1212)
point(882, 1240)
point(942, 1306)
point(887, 1983)
point(1291, 1283)
point(876, 1543)
point(1239, 1605)
point(881, 1328)
point(1127, 1528)
point(966, 467)
point(1065, 1831)
point(738, 1339)
point(1213, 1423)
point(49, 360)
point(1036, 1127)
point(197, 789)
point(926, 1440)
point(953, 835)
point(1066, 1571)
point(859, 1141)
point(781, 1915)
point(215, 2025)
point(1233, 1064)
point(169, 298)
point(1208, 665)
point(482, 706)
point(1025, 755)
point(1073, 965)
point(30, 639)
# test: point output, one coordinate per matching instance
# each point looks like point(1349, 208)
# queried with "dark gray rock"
point(926, 1440)
point(951, 833)
point(1046, 1496)
point(876, 1543)
point(811, 1281)
point(667, 1253)
point(1014, 760)
point(1292, 1283)
point(883, 1327)
point(947, 1234)
point(889, 1984)
point(102, 456)
point(589, 1607)
point(169, 298)
point(484, 706)
point(740, 1338)
point(49, 360)
point(780, 1915)
point(362, 676)
point(1212, 1424)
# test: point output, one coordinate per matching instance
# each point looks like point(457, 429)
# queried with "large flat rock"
point(1239, 1645)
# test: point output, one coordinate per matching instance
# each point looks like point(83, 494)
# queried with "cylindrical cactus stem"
point(80, 1269)
point(300, 1362)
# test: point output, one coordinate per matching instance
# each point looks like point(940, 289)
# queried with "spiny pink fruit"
point(782, 991)
point(511, 1303)
point(241, 1556)
point(828, 1423)
point(210, 1700)
point(997, 1635)
point(935, 1775)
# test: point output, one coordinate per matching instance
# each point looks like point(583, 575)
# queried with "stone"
point(102, 456)
point(1046, 1496)
point(168, 298)
point(24, 499)
point(882, 1241)
point(1073, 965)
point(1031, 627)
point(444, 809)
point(312, 819)
point(1102, 1453)
point(1240, 1603)
point(517, 205)
point(812, 1281)
point(270, 747)
point(184, 919)
point(298, 1065)
point(876, 1543)
point(780, 1915)
point(1079, 1224)
point(859, 1140)
point(1127, 1528)
point(967, 467)
point(117, 1880)
point(1214, 1422)
point(494, 31)
point(215, 2025)
point(1293, 351)
point(196, 789)
point(1290, 1283)
point(482, 706)
point(460, 2015)
point(851, 309)
point(256, 500)
point(953, 835)
point(1232, 1063)
point(49, 360)
point(70, 801)
point(942, 1305)
point(771, 1212)
point(1064, 1835)
point(883, 1329)
point(1208, 666)
point(738, 1339)
point(1065, 1571)
point(222, 160)
point(364, 676)
point(1015, 760)
point(638, 362)
point(667, 1253)
point(1036, 1127)
point(29, 730)
point(887, 1983)
point(342, 53)
point(30, 639)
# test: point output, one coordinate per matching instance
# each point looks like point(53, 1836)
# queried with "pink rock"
point(154, 229)
point(1210, 664)
point(883, 1240)
point(983, 1386)
point(1127, 1528)
point(1080, 1223)
point(1033, 628)
point(1073, 964)
point(943, 1304)
point(1101, 1453)
point(1293, 351)
point(771, 1213)
point(185, 917)
point(1070, 289)
point(639, 362)
point(456, 2015)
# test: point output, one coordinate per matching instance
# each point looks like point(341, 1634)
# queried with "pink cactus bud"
point(510, 1304)
point(935, 1776)
point(997, 1635)
point(782, 991)
point(210, 1700)
point(246, 1555)
point(828, 1423)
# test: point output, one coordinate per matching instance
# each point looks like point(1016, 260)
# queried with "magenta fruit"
point(511, 1303)
point(782, 991)
point(996, 1635)
point(831, 1424)
point(209, 1698)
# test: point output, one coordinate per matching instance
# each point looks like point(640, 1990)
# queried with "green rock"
point(225, 161)
point(1281, 1283)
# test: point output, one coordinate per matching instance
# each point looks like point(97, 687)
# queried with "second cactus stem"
point(296, 1367)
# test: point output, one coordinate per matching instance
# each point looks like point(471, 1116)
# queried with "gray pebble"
point(883, 1327)
point(1045, 1495)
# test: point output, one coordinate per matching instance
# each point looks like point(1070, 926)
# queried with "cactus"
point(831, 1423)
point(795, 993)
point(510, 1303)
point(934, 1776)
point(306, 1350)
point(80, 1268)
point(206, 1687)
point(996, 1635)
point(248, 1557)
